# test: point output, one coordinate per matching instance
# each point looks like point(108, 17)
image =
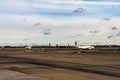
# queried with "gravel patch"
point(13, 75)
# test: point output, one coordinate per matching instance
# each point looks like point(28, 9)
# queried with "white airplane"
point(84, 46)
point(28, 47)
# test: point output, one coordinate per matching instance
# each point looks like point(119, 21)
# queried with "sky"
point(40, 22)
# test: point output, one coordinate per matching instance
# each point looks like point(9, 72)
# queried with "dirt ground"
point(75, 58)
point(107, 62)
point(13, 75)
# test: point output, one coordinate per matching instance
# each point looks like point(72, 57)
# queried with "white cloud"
point(61, 27)
point(17, 18)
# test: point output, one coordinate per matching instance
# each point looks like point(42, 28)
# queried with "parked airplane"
point(28, 47)
point(84, 46)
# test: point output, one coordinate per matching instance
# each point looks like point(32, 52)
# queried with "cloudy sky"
point(29, 22)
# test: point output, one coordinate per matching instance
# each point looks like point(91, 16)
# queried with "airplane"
point(84, 46)
point(28, 47)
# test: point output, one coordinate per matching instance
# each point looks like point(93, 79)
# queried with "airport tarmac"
point(98, 66)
